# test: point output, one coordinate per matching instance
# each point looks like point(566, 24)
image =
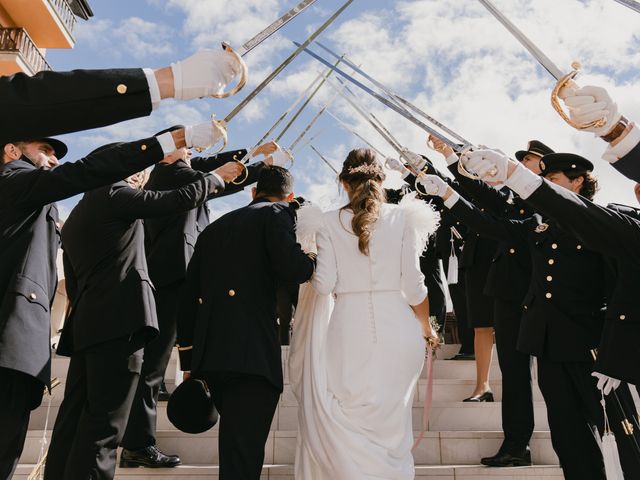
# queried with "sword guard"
point(555, 101)
point(244, 73)
point(221, 126)
point(235, 181)
point(466, 173)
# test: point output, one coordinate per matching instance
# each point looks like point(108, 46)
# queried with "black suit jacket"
point(564, 305)
point(53, 103)
point(629, 165)
point(615, 232)
point(109, 288)
point(170, 239)
point(29, 240)
point(227, 323)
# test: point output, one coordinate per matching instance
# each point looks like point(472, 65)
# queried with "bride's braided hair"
point(364, 175)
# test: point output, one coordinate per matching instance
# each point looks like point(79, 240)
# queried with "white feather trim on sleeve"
point(310, 220)
point(420, 216)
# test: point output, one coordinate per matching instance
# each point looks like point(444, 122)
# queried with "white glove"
point(433, 185)
point(489, 165)
point(395, 164)
point(414, 160)
point(206, 72)
point(203, 135)
point(606, 384)
point(590, 103)
point(281, 157)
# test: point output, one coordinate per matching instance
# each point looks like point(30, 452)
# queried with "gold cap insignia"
point(542, 227)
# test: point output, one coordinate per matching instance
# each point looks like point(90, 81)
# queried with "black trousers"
point(141, 428)
point(459, 300)
point(246, 405)
point(517, 395)
point(101, 383)
point(20, 393)
point(576, 418)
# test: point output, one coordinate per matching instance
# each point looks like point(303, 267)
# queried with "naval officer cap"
point(190, 408)
point(534, 147)
point(564, 162)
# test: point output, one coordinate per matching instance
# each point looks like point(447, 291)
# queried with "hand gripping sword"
point(562, 78)
point(221, 125)
point(632, 4)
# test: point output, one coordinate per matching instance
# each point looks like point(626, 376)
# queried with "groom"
point(227, 329)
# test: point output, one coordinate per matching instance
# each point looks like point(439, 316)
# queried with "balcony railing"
point(17, 40)
point(65, 13)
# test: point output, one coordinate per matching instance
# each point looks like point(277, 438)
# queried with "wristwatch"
point(617, 130)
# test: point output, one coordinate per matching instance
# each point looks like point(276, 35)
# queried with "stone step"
point(437, 448)
point(285, 472)
point(445, 416)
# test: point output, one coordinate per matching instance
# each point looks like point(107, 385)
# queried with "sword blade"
point(356, 134)
point(313, 121)
point(542, 59)
point(284, 64)
point(324, 159)
point(401, 111)
point(632, 4)
point(275, 26)
point(304, 105)
point(400, 101)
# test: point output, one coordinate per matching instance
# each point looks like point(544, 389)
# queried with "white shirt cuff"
point(451, 159)
point(166, 143)
point(613, 154)
point(218, 177)
point(405, 173)
point(154, 89)
point(523, 181)
point(452, 200)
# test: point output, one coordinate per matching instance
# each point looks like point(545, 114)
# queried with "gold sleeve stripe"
point(184, 349)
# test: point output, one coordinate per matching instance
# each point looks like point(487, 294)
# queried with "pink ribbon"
point(428, 397)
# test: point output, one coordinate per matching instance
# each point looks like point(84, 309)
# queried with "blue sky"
point(449, 56)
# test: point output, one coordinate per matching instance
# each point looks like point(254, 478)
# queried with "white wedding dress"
point(357, 348)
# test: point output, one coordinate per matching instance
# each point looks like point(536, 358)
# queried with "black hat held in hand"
point(190, 408)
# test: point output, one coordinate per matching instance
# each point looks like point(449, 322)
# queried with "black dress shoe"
point(463, 356)
point(163, 394)
point(503, 459)
point(485, 397)
point(150, 457)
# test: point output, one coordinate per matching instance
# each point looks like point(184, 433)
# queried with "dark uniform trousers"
point(247, 404)
point(141, 428)
point(101, 384)
point(459, 300)
point(576, 417)
point(19, 394)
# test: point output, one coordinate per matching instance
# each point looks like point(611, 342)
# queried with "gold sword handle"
point(221, 126)
point(235, 181)
point(466, 173)
point(555, 101)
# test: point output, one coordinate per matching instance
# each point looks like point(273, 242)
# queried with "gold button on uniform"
point(548, 295)
point(232, 293)
point(554, 246)
point(549, 278)
point(512, 250)
point(522, 211)
point(121, 89)
point(622, 317)
point(143, 147)
point(551, 261)
point(200, 301)
point(32, 296)
point(579, 247)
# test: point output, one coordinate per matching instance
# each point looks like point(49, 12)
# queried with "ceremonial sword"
point(561, 78)
point(222, 124)
point(394, 96)
point(356, 134)
point(324, 159)
point(393, 106)
point(632, 4)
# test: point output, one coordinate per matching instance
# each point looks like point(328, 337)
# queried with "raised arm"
point(326, 276)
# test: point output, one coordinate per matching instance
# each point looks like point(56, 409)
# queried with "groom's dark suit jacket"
point(227, 323)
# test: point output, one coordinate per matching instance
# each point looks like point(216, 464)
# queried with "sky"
point(449, 57)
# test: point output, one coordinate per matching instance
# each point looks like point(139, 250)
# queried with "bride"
point(359, 339)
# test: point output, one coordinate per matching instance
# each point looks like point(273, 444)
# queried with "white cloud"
point(142, 38)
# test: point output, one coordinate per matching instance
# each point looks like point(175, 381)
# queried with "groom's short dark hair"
point(274, 182)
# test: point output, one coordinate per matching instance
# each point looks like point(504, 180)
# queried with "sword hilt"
point(221, 126)
point(555, 101)
point(466, 173)
point(235, 181)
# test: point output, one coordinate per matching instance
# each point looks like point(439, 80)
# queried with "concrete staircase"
point(459, 433)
